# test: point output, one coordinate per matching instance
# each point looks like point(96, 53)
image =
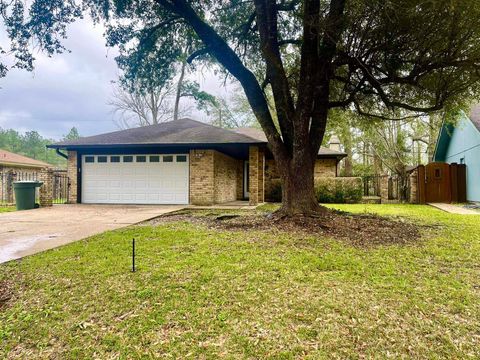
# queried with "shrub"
point(327, 190)
point(275, 193)
point(339, 190)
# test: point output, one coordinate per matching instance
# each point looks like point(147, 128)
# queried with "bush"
point(339, 190)
point(275, 193)
point(327, 190)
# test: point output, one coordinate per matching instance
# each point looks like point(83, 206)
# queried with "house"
point(16, 167)
point(461, 144)
point(177, 162)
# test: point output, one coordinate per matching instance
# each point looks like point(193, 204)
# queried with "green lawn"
point(203, 293)
point(7, 208)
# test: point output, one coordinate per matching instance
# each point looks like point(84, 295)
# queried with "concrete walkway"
point(454, 209)
point(28, 232)
point(232, 205)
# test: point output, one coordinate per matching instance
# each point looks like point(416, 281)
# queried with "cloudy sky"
point(71, 89)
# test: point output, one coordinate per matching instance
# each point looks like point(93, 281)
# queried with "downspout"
point(65, 156)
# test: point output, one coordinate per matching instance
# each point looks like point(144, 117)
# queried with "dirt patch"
point(6, 292)
point(361, 230)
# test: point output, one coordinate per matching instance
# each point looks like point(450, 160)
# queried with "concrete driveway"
point(28, 232)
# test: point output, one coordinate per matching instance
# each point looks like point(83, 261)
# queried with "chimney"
point(334, 143)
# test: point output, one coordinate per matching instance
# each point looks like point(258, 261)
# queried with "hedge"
point(327, 190)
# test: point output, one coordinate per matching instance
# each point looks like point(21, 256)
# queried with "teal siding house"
point(461, 144)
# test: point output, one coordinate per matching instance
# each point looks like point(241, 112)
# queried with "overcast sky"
point(71, 89)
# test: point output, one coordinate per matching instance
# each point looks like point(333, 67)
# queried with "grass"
point(6, 208)
point(202, 293)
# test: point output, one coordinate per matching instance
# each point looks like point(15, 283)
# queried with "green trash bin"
point(25, 194)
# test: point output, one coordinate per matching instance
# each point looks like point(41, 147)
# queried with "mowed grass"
point(203, 293)
point(6, 208)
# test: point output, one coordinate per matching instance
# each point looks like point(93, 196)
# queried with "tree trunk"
point(178, 95)
point(298, 189)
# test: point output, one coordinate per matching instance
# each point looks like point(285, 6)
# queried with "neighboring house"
point(177, 162)
point(461, 144)
point(16, 167)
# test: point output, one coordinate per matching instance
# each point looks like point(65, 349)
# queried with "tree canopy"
point(380, 58)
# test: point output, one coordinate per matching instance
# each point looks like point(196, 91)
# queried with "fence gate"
point(61, 187)
point(442, 183)
point(437, 182)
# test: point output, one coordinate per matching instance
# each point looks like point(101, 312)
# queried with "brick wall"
point(202, 170)
point(72, 174)
point(225, 178)
point(213, 177)
point(325, 168)
point(240, 173)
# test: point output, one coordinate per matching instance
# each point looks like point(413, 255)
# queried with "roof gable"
point(183, 131)
point(472, 121)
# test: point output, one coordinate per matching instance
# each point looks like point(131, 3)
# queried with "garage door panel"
point(136, 182)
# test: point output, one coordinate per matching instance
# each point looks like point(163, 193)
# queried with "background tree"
point(231, 112)
point(31, 144)
point(133, 106)
point(72, 134)
point(372, 56)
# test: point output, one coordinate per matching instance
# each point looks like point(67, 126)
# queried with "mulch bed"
point(360, 230)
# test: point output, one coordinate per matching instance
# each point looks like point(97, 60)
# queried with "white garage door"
point(135, 179)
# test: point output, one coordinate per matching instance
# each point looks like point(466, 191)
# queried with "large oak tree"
point(378, 57)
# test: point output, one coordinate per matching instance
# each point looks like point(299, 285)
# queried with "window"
point(89, 159)
point(168, 158)
point(438, 174)
point(115, 159)
point(141, 158)
point(128, 158)
point(102, 159)
point(154, 158)
point(181, 158)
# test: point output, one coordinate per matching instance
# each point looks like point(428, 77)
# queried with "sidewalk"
point(454, 209)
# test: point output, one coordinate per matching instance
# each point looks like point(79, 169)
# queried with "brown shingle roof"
point(9, 158)
point(260, 135)
point(183, 131)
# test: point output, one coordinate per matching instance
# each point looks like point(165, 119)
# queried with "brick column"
point(11, 178)
point(413, 187)
point(384, 188)
point(257, 175)
point(46, 190)
point(72, 174)
point(202, 177)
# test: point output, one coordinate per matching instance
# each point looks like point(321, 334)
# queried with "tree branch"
point(219, 49)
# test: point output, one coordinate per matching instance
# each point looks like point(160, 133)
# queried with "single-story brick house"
point(177, 162)
point(16, 167)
